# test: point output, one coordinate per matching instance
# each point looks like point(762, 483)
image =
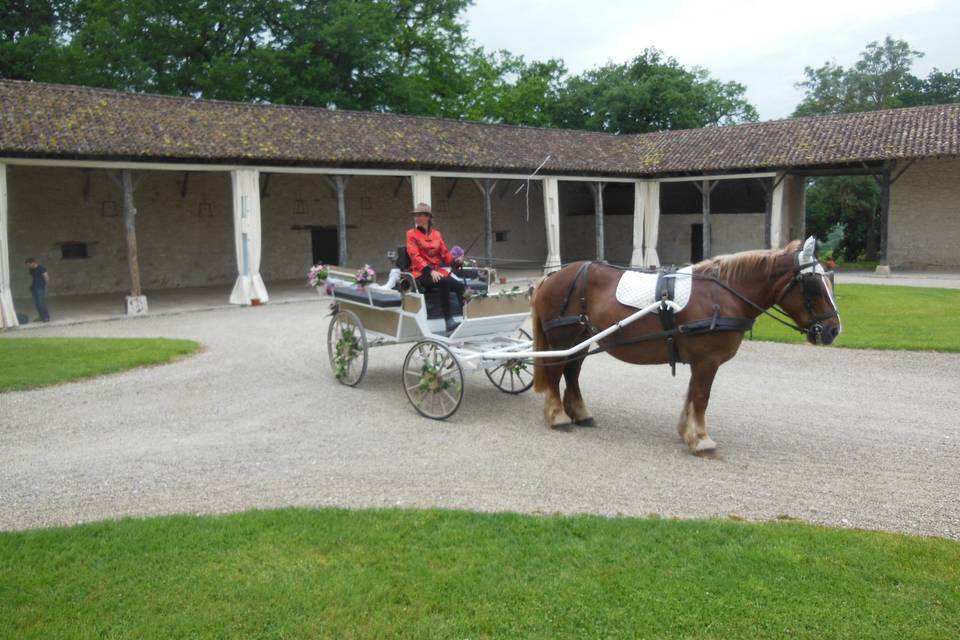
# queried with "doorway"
point(326, 249)
point(696, 242)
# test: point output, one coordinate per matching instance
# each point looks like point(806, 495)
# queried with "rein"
point(696, 327)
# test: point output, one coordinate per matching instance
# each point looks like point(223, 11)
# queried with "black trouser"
point(446, 286)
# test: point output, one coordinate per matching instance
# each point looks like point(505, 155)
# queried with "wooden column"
point(705, 188)
point(339, 185)
point(486, 188)
point(136, 301)
point(597, 189)
point(885, 180)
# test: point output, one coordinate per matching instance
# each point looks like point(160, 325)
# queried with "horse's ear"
point(810, 249)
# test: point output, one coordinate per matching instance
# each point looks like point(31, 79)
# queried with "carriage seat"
point(380, 298)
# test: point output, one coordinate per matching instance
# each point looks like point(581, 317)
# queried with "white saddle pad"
point(640, 289)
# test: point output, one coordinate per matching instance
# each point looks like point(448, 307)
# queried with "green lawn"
point(37, 362)
point(436, 574)
point(887, 317)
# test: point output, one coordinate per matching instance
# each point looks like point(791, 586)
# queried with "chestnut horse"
point(728, 293)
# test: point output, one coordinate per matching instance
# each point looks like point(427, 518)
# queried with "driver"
point(428, 254)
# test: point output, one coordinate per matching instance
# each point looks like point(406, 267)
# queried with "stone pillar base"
point(883, 270)
point(136, 305)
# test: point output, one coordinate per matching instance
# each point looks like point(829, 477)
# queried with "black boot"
point(451, 324)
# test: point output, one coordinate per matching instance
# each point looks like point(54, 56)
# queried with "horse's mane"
point(734, 267)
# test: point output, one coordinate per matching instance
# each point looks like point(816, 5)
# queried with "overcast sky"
point(763, 45)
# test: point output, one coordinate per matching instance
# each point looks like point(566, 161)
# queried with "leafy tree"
point(649, 93)
point(508, 89)
point(28, 37)
point(880, 79)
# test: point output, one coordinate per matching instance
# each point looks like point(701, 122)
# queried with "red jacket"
point(427, 249)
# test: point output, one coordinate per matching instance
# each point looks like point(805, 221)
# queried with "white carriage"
point(373, 315)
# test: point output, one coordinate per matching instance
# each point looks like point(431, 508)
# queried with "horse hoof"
point(563, 427)
point(705, 448)
point(708, 454)
point(586, 422)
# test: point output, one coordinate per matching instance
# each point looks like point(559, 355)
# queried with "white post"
point(651, 225)
point(639, 204)
point(420, 182)
point(8, 316)
point(551, 218)
point(249, 288)
point(776, 214)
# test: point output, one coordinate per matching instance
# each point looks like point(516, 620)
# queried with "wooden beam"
point(396, 189)
point(339, 185)
point(504, 188)
point(486, 189)
point(706, 188)
point(768, 191)
point(902, 171)
point(885, 209)
point(130, 228)
point(452, 187)
point(183, 184)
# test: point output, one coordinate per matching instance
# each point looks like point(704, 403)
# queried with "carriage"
point(696, 315)
point(370, 315)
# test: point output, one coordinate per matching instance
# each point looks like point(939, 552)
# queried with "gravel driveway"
point(841, 437)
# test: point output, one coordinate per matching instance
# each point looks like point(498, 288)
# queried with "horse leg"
point(692, 425)
point(552, 406)
point(572, 400)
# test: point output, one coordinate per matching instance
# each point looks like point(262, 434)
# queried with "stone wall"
point(183, 241)
point(185, 232)
point(924, 227)
point(731, 232)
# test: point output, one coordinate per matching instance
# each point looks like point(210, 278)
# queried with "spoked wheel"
point(513, 376)
point(433, 380)
point(347, 348)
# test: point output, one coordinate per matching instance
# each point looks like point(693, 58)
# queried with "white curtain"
point(776, 214)
point(639, 202)
point(246, 232)
point(421, 188)
point(651, 224)
point(8, 317)
point(551, 220)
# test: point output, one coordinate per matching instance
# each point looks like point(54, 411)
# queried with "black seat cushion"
point(380, 299)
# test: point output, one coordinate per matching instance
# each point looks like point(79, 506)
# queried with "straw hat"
point(422, 207)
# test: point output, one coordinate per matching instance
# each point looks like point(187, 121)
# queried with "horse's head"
point(808, 299)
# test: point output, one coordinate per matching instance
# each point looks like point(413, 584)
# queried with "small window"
point(499, 236)
point(73, 250)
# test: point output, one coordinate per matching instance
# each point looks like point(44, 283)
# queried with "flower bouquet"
point(317, 275)
point(366, 275)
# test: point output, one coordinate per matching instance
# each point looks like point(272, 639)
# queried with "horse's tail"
point(539, 344)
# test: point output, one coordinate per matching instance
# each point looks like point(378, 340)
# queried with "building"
point(128, 192)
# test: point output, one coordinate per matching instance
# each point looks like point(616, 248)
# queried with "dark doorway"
point(696, 242)
point(325, 247)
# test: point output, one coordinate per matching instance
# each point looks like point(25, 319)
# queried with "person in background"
point(428, 255)
point(40, 278)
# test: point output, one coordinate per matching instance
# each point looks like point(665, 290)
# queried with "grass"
point(38, 362)
point(887, 317)
point(439, 574)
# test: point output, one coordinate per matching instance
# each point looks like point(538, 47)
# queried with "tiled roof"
point(59, 121)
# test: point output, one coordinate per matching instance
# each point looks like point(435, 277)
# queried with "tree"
point(880, 79)
point(649, 93)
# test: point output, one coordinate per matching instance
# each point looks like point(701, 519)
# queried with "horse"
point(728, 293)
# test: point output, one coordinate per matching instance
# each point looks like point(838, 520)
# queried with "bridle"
point(809, 275)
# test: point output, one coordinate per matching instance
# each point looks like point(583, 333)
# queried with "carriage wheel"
point(347, 348)
point(513, 376)
point(433, 380)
